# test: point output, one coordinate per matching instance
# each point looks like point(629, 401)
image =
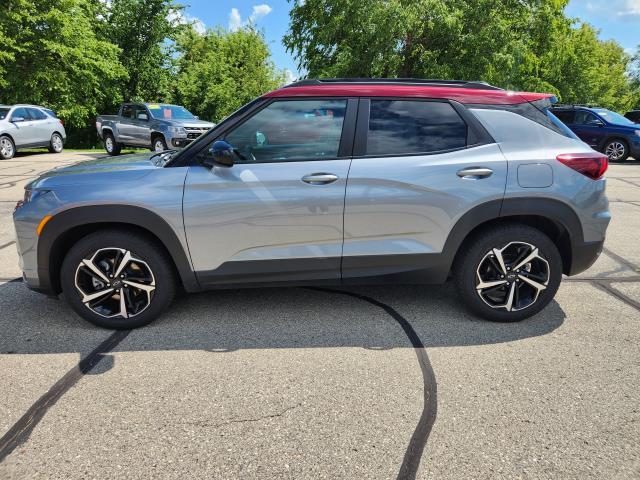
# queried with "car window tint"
point(399, 127)
point(3, 113)
point(36, 114)
point(20, 112)
point(291, 130)
point(564, 116)
point(140, 110)
point(583, 117)
point(127, 111)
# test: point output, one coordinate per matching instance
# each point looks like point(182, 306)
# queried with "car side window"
point(291, 130)
point(564, 116)
point(20, 112)
point(585, 118)
point(399, 127)
point(36, 114)
point(140, 110)
point(127, 111)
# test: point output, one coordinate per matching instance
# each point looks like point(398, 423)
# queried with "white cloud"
point(259, 11)
point(235, 21)
point(614, 8)
point(178, 17)
point(289, 76)
point(631, 7)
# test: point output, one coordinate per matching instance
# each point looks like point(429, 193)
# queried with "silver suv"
point(29, 126)
point(334, 182)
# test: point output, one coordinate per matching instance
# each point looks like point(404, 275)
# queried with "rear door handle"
point(319, 178)
point(475, 172)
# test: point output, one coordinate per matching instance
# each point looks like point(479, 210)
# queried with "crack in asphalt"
point(21, 430)
point(246, 420)
point(418, 441)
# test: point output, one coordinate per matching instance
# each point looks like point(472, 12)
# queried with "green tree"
point(144, 30)
point(517, 44)
point(51, 55)
point(220, 71)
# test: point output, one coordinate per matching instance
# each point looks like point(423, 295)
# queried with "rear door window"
point(36, 114)
point(127, 111)
point(564, 116)
point(401, 127)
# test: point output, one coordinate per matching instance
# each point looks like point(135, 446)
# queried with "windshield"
point(613, 117)
point(4, 112)
point(170, 112)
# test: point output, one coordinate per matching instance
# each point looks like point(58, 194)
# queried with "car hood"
point(189, 123)
point(133, 166)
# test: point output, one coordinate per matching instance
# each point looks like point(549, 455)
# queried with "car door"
point(418, 166)
point(277, 214)
point(141, 128)
point(41, 127)
point(589, 128)
point(20, 129)
point(126, 126)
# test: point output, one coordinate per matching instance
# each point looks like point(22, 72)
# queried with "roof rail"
point(399, 81)
point(574, 105)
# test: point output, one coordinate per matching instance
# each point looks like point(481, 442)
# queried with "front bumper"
point(180, 142)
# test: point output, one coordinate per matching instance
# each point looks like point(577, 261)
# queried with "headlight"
point(178, 131)
point(29, 196)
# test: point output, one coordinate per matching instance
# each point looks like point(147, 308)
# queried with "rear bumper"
point(584, 255)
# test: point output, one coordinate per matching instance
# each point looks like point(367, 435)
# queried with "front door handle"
point(475, 172)
point(319, 178)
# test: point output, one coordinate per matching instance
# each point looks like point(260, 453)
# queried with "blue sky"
point(616, 19)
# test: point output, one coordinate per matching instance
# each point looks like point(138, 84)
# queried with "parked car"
point(29, 126)
point(149, 125)
point(633, 115)
point(603, 130)
point(330, 183)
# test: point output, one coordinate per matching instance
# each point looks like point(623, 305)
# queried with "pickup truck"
point(156, 126)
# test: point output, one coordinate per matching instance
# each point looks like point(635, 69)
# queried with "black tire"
point(476, 256)
point(112, 147)
point(146, 253)
point(158, 144)
point(613, 147)
point(7, 147)
point(56, 144)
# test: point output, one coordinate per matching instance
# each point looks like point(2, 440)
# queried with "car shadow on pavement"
point(231, 320)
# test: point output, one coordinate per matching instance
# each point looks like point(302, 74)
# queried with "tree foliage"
point(50, 54)
point(144, 29)
point(518, 44)
point(220, 71)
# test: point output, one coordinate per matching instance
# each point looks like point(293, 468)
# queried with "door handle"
point(319, 178)
point(475, 172)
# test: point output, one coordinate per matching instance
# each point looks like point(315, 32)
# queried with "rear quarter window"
point(401, 127)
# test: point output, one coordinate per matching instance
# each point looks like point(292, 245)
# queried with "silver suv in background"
point(155, 126)
point(331, 182)
point(29, 126)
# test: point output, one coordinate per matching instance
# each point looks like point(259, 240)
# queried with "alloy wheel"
point(512, 277)
point(6, 147)
point(615, 151)
point(56, 143)
point(113, 283)
point(158, 146)
point(108, 144)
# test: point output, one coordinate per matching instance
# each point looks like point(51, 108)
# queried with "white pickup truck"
point(156, 126)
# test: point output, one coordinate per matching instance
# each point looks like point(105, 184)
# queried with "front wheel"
point(508, 273)
point(56, 144)
point(118, 280)
point(159, 144)
point(616, 150)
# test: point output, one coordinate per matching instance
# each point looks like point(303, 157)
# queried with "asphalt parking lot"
point(384, 382)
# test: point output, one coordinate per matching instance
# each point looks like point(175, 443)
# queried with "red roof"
point(462, 95)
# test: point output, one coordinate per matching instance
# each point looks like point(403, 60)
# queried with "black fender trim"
point(66, 220)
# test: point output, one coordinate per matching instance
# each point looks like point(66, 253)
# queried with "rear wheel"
point(508, 273)
point(56, 144)
point(116, 279)
point(617, 150)
point(111, 146)
point(7, 148)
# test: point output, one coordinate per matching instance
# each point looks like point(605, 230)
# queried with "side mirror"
point(196, 117)
point(596, 123)
point(221, 154)
point(17, 119)
point(143, 116)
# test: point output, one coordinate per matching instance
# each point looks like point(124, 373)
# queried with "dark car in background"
point(603, 130)
point(633, 115)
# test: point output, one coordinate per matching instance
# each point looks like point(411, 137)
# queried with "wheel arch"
point(554, 218)
point(67, 227)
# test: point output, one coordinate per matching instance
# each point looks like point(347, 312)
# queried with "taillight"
point(590, 164)
point(61, 121)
